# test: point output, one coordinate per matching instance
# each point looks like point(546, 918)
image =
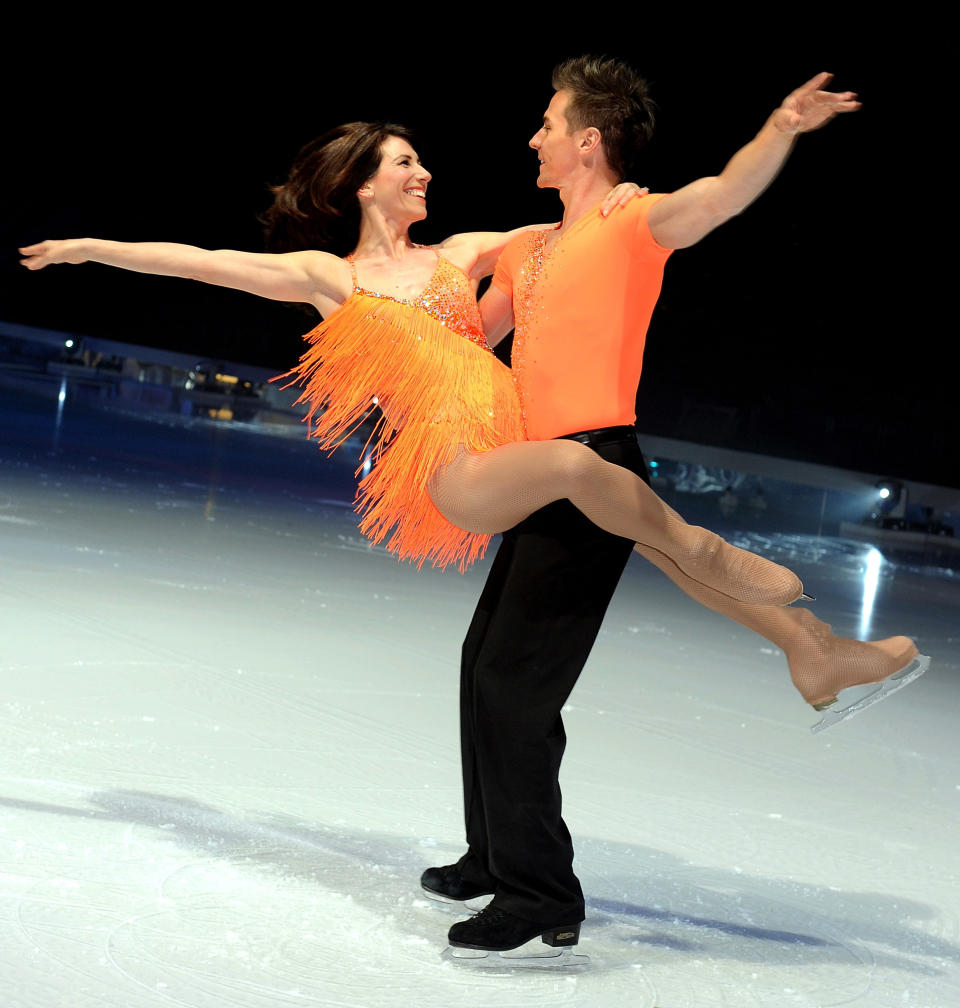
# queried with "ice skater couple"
point(401, 322)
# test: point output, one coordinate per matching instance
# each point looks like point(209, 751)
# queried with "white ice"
point(229, 746)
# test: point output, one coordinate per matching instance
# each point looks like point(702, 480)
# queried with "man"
point(579, 299)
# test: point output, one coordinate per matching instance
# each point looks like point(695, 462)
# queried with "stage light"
point(889, 490)
point(891, 506)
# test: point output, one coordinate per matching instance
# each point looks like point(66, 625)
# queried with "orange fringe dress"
point(426, 363)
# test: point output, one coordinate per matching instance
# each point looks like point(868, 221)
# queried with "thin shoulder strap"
point(353, 270)
point(431, 248)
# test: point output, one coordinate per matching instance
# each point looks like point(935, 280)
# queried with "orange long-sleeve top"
point(581, 313)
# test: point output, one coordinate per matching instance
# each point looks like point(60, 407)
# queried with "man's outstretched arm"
point(687, 215)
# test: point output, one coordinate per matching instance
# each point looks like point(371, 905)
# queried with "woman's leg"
point(821, 664)
point(492, 491)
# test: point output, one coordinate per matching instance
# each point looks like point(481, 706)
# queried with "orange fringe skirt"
point(437, 390)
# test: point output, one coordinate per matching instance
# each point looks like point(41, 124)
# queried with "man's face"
point(555, 147)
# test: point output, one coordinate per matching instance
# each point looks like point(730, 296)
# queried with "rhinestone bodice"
point(448, 297)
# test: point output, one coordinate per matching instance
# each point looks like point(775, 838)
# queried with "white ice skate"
point(860, 700)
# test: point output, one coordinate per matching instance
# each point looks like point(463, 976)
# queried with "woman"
point(402, 330)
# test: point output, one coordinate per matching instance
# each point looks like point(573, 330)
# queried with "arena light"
point(889, 490)
point(891, 501)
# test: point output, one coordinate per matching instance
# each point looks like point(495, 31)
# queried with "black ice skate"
point(447, 885)
point(496, 938)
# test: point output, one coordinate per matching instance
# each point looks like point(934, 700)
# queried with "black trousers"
point(537, 619)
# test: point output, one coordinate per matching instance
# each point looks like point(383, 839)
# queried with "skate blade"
point(460, 907)
point(881, 691)
point(529, 956)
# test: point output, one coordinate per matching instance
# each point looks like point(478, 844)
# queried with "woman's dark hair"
point(317, 207)
point(608, 94)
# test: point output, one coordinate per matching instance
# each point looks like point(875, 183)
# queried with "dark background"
point(803, 328)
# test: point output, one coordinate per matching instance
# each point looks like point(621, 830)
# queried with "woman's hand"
point(316, 278)
point(621, 195)
point(47, 253)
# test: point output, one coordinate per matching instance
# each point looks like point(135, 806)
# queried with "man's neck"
point(581, 196)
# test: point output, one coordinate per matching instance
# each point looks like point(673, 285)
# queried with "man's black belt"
point(602, 435)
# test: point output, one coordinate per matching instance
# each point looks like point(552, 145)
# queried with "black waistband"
point(602, 435)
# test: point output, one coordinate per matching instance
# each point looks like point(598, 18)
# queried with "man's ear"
point(590, 140)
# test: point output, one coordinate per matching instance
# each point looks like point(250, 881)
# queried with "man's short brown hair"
point(608, 94)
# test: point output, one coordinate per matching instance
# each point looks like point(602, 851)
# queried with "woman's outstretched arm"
point(308, 277)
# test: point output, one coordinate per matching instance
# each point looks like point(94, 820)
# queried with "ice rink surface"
point(229, 746)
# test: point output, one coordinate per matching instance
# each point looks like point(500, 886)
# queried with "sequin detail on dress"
point(443, 299)
point(426, 362)
point(532, 259)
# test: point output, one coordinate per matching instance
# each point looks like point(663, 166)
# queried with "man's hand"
point(808, 108)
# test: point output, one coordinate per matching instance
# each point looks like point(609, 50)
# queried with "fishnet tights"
point(492, 491)
point(821, 664)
